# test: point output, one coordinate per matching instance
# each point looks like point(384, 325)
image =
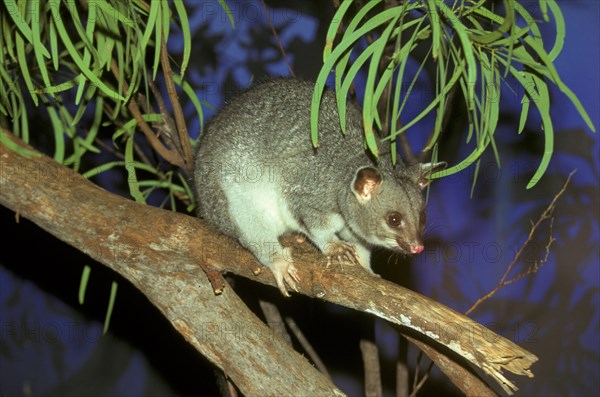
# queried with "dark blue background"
point(51, 345)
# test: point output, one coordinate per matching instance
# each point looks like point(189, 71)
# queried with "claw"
point(344, 252)
point(291, 277)
point(285, 273)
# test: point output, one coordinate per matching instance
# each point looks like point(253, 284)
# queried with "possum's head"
point(388, 210)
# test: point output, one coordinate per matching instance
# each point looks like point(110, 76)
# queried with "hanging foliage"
point(473, 46)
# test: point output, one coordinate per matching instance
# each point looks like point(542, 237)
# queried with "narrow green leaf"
point(102, 168)
point(228, 12)
point(434, 159)
point(132, 180)
point(53, 44)
point(369, 105)
point(12, 88)
point(187, 190)
point(69, 127)
point(85, 276)
point(111, 12)
point(505, 27)
point(371, 141)
point(38, 46)
point(544, 9)
point(83, 104)
point(59, 140)
point(400, 57)
point(157, 40)
point(83, 145)
point(189, 91)
point(544, 107)
point(185, 29)
point(87, 54)
point(62, 31)
point(560, 28)
point(463, 36)
point(354, 22)
point(524, 112)
point(541, 100)
point(15, 14)
point(95, 127)
point(24, 127)
point(120, 79)
point(423, 113)
point(342, 92)
point(342, 63)
point(335, 25)
point(435, 21)
point(468, 161)
point(20, 150)
point(403, 59)
point(548, 66)
point(162, 185)
point(111, 305)
point(339, 51)
point(65, 86)
point(441, 81)
point(7, 34)
point(24, 66)
point(475, 175)
point(130, 125)
point(14, 103)
point(529, 19)
point(150, 26)
point(172, 188)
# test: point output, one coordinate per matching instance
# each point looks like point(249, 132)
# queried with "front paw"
point(343, 252)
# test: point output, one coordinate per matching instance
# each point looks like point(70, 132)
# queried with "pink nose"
point(416, 249)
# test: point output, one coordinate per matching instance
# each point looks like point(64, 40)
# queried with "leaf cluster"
point(474, 47)
point(81, 65)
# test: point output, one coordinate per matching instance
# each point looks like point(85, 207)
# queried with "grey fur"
point(257, 177)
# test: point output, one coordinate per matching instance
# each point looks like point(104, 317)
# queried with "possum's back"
point(265, 132)
point(275, 115)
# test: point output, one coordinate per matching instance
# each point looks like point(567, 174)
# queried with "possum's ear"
point(366, 183)
point(422, 171)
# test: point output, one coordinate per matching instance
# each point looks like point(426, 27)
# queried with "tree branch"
point(160, 252)
point(370, 355)
point(156, 250)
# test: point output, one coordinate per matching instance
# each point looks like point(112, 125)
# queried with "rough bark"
point(160, 252)
point(154, 249)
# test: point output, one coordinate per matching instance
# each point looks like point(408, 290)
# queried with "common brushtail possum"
point(257, 176)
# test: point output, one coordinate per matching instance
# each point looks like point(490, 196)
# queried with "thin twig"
point(167, 126)
point(275, 320)
point(277, 39)
point(419, 383)
point(184, 140)
point(307, 347)
point(170, 155)
point(109, 148)
point(547, 214)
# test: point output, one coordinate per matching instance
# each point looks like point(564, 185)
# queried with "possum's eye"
point(394, 219)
